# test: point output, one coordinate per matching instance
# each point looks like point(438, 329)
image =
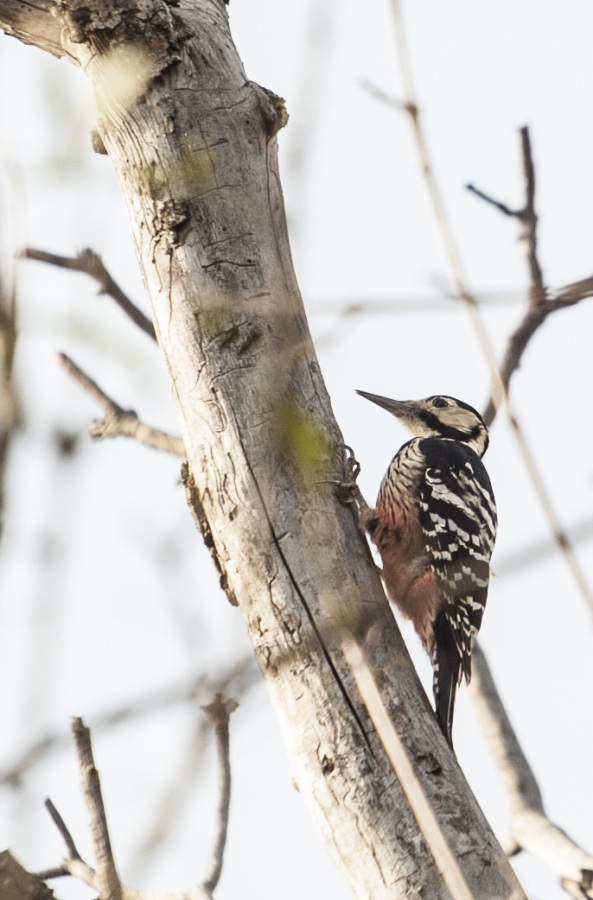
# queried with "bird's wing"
point(458, 520)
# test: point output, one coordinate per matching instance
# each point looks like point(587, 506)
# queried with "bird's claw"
point(347, 489)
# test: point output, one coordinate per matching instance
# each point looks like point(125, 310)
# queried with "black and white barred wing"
point(458, 520)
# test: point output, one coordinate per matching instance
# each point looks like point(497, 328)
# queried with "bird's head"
point(438, 416)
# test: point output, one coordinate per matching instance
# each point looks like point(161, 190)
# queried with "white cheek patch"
point(457, 417)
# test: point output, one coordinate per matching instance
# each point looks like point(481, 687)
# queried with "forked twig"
point(119, 421)
point(538, 309)
point(499, 393)
point(531, 834)
point(540, 303)
point(104, 879)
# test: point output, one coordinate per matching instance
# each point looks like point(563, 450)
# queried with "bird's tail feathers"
point(446, 664)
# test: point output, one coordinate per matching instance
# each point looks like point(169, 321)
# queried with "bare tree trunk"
point(193, 145)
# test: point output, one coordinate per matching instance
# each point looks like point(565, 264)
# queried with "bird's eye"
point(440, 402)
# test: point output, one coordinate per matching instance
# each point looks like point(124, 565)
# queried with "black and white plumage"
point(435, 527)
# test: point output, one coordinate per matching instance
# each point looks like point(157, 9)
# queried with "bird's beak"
point(403, 409)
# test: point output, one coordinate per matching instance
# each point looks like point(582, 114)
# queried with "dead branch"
point(291, 535)
point(537, 304)
point(73, 863)
point(219, 713)
point(106, 878)
point(530, 827)
point(119, 422)
point(90, 263)
point(538, 309)
point(540, 304)
point(528, 217)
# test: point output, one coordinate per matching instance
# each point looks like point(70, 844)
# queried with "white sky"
point(106, 592)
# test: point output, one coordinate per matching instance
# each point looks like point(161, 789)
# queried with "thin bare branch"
point(572, 293)
point(538, 308)
point(61, 826)
point(528, 218)
point(534, 317)
point(500, 206)
point(540, 304)
point(349, 310)
point(90, 263)
point(377, 93)
point(107, 879)
point(73, 864)
point(237, 681)
point(531, 829)
point(219, 712)
point(527, 833)
point(499, 393)
point(562, 297)
point(121, 422)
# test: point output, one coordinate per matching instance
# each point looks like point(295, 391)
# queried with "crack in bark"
point(310, 617)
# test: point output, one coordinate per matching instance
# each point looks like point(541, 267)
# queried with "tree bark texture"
point(18, 884)
point(193, 145)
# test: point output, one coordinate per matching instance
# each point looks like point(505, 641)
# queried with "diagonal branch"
point(280, 535)
point(531, 829)
point(537, 295)
point(73, 863)
point(538, 309)
point(119, 421)
point(90, 263)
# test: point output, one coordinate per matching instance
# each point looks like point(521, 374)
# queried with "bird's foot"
point(348, 489)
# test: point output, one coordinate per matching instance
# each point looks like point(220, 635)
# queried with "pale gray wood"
point(193, 144)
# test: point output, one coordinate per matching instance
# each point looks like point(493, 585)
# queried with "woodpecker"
point(435, 527)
